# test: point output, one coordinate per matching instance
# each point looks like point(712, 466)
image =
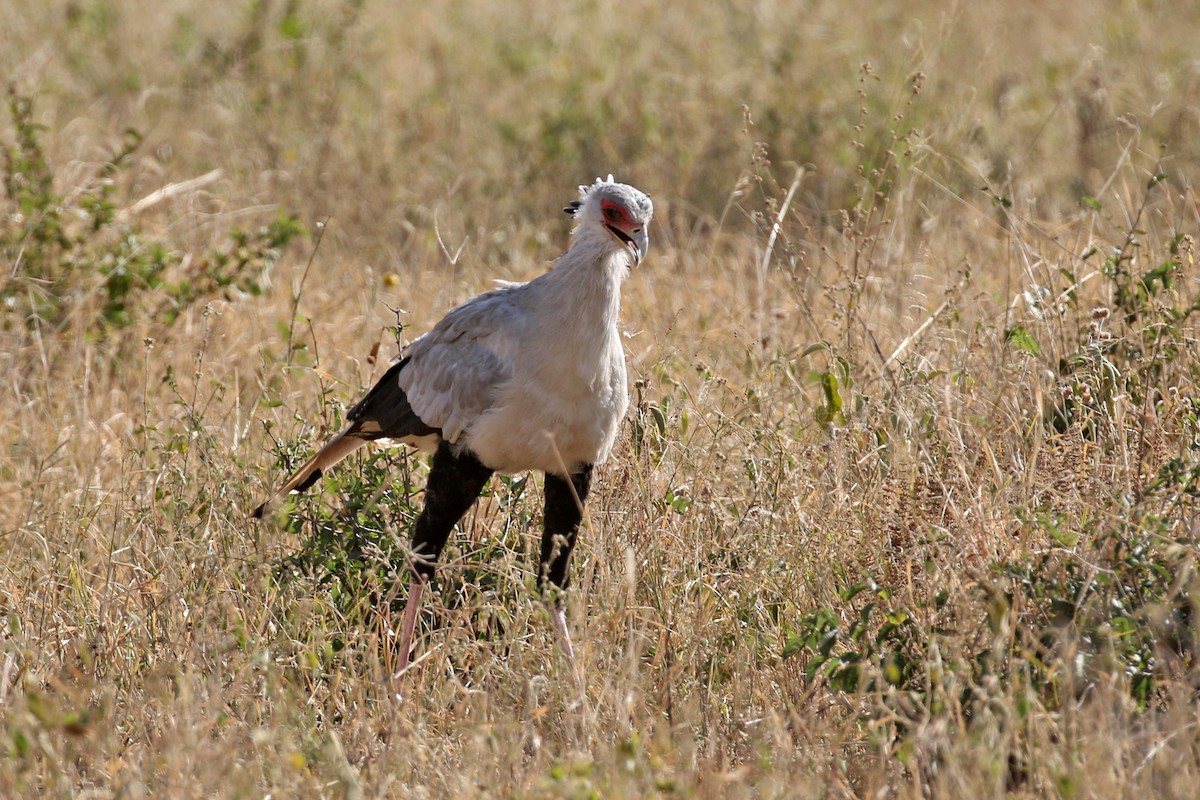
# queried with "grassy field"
point(906, 504)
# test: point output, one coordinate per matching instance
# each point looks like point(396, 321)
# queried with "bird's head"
point(616, 210)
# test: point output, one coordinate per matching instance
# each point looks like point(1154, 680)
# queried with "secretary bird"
point(529, 376)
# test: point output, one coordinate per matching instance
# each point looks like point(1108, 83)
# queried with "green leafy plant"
point(878, 648)
point(65, 250)
point(355, 529)
point(1121, 598)
point(1129, 349)
point(354, 525)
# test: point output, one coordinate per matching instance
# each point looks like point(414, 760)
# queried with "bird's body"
point(551, 347)
point(529, 376)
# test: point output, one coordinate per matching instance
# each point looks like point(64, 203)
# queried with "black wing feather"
point(385, 412)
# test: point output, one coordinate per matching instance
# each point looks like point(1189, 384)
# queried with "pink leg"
point(415, 587)
point(559, 620)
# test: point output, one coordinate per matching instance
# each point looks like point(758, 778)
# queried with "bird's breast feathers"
point(552, 421)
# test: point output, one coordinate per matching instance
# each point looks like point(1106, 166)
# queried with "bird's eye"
point(612, 214)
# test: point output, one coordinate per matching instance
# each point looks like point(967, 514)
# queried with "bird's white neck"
point(585, 284)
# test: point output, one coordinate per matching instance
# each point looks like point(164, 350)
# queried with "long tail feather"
point(338, 448)
point(383, 414)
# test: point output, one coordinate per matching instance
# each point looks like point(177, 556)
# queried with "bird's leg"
point(564, 512)
point(411, 606)
point(454, 483)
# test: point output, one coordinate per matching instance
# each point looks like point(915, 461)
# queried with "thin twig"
point(920, 331)
point(291, 346)
point(170, 191)
point(765, 262)
point(777, 225)
point(437, 231)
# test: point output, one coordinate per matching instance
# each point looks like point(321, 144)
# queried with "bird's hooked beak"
point(638, 241)
point(641, 241)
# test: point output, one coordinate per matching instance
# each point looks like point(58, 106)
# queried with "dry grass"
point(902, 387)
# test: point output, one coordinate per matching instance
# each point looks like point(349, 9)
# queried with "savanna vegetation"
point(906, 504)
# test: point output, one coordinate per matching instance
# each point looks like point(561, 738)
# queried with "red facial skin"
point(615, 214)
point(617, 220)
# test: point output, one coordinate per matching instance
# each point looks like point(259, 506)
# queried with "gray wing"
point(455, 371)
